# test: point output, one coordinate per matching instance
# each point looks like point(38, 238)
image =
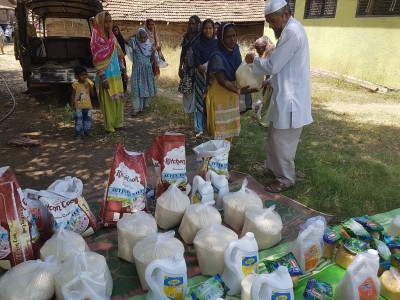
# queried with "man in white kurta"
point(289, 66)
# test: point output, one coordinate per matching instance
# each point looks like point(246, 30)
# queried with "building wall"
point(365, 48)
point(172, 33)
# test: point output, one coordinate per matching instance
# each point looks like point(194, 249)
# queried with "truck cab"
point(54, 37)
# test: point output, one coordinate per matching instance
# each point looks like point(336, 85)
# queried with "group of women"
point(207, 70)
point(108, 50)
point(208, 62)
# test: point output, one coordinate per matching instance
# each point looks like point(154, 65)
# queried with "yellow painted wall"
point(365, 48)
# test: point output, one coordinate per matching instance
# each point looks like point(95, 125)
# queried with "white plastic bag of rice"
point(237, 203)
point(210, 244)
point(30, 280)
point(155, 246)
point(266, 224)
point(131, 229)
point(171, 206)
point(196, 217)
point(87, 262)
point(62, 244)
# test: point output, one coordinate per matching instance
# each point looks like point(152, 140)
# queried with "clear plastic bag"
point(155, 246)
point(309, 246)
point(62, 244)
point(210, 244)
point(213, 155)
point(92, 263)
point(131, 229)
point(86, 286)
point(237, 203)
point(245, 76)
point(390, 284)
point(30, 280)
point(171, 207)
point(266, 225)
point(196, 217)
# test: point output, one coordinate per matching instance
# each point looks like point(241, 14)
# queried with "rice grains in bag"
point(237, 203)
point(18, 232)
point(126, 188)
point(63, 200)
point(169, 158)
point(30, 280)
point(213, 155)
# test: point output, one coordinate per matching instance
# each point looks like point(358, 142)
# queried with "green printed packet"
point(211, 289)
point(318, 290)
point(288, 261)
point(356, 230)
point(331, 236)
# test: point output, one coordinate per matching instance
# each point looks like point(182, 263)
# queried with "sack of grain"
point(266, 224)
point(62, 244)
point(91, 263)
point(155, 246)
point(237, 203)
point(246, 77)
point(196, 217)
point(131, 229)
point(210, 244)
point(171, 207)
point(30, 280)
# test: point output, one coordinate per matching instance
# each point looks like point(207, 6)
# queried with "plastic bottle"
point(220, 185)
point(202, 190)
point(241, 259)
point(307, 248)
point(246, 284)
point(361, 280)
point(167, 278)
point(276, 285)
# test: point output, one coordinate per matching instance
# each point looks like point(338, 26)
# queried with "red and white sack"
point(18, 232)
point(169, 159)
point(213, 155)
point(63, 200)
point(126, 188)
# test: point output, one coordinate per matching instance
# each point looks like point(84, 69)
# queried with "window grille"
point(320, 9)
point(378, 8)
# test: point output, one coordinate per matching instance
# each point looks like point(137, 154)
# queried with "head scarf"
point(120, 39)
point(146, 47)
point(224, 59)
point(152, 34)
point(265, 41)
point(204, 47)
point(190, 37)
point(102, 47)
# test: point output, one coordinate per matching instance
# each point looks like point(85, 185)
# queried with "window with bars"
point(378, 8)
point(292, 4)
point(320, 9)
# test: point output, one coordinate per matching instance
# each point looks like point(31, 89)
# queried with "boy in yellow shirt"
point(82, 89)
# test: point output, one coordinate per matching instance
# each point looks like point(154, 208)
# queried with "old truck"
point(49, 51)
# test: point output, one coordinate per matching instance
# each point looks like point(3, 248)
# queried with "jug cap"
point(250, 235)
point(373, 252)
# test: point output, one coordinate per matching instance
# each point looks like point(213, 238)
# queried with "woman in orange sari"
point(108, 60)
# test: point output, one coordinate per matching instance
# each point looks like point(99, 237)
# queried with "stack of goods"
point(131, 229)
point(237, 203)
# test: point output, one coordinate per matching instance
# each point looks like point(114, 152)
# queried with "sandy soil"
point(60, 154)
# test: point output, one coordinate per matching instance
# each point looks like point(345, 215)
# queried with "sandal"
point(278, 187)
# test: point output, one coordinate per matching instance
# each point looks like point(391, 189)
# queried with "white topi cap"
point(273, 5)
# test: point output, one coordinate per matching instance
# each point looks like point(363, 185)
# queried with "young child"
point(82, 89)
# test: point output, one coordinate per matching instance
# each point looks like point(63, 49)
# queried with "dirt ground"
point(59, 154)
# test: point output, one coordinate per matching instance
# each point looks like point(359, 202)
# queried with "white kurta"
point(290, 66)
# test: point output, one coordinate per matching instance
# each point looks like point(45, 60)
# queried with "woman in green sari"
point(109, 64)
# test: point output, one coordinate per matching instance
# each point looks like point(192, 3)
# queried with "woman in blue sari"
point(203, 48)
